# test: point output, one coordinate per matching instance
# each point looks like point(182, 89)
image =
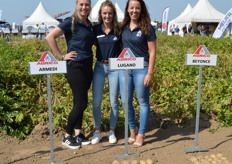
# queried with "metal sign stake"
point(126, 121)
point(200, 57)
point(196, 148)
point(48, 65)
point(126, 61)
point(50, 117)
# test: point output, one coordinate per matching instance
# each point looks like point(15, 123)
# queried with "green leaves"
point(23, 98)
point(175, 85)
point(18, 95)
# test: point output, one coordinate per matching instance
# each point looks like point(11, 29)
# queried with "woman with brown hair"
point(79, 37)
point(138, 34)
point(108, 46)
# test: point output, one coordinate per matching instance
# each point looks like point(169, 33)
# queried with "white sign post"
point(201, 57)
point(126, 61)
point(48, 65)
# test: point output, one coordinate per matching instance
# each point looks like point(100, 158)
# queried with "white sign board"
point(206, 60)
point(201, 57)
point(128, 63)
point(126, 60)
point(47, 65)
point(56, 67)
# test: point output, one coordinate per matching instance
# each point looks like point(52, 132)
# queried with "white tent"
point(187, 10)
point(93, 17)
point(120, 13)
point(39, 16)
point(203, 11)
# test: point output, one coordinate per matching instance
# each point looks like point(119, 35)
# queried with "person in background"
point(199, 29)
point(184, 30)
point(207, 32)
point(80, 38)
point(37, 27)
point(138, 34)
point(190, 29)
point(2, 29)
point(177, 30)
point(108, 46)
point(10, 28)
point(20, 28)
point(43, 31)
point(172, 29)
point(202, 30)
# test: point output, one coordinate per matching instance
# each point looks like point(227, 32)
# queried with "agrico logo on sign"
point(201, 52)
point(47, 59)
point(126, 55)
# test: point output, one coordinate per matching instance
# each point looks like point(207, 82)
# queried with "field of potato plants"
point(23, 97)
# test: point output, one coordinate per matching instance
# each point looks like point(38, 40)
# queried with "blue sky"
point(16, 10)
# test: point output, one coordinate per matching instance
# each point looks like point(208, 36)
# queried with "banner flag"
point(13, 25)
point(223, 24)
point(0, 14)
point(165, 19)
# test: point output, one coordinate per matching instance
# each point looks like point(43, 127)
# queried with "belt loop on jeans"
point(103, 61)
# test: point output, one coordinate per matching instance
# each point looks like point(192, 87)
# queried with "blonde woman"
point(79, 38)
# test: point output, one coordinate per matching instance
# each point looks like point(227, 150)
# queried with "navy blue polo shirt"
point(108, 46)
point(80, 40)
point(137, 41)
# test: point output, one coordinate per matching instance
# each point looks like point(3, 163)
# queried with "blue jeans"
point(101, 71)
point(136, 82)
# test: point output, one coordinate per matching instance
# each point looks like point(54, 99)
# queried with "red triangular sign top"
point(47, 57)
point(202, 50)
point(126, 53)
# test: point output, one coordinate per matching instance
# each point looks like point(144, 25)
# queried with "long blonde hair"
point(75, 16)
point(115, 17)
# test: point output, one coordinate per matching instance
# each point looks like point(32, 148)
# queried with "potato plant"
point(23, 98)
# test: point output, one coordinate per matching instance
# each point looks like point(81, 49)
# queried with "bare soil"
point(165, 143)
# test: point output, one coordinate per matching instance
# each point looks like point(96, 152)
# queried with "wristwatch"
point(62, 57)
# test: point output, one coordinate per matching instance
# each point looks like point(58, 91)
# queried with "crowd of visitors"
point(200, 29)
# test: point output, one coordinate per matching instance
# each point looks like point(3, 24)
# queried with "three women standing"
point(137, 34)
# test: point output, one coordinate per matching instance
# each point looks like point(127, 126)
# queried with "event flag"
point(165, 19)
point(0, 14)
point(13, 25)
point(223, 24)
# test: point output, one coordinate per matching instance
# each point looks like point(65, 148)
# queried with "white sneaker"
point(112, 137)
point(96, 137)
